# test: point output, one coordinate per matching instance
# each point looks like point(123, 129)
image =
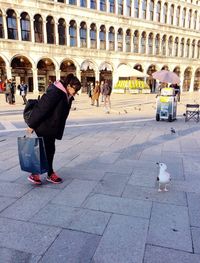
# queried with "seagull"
point(163, 177)
point(173, 130)
point(125, 111)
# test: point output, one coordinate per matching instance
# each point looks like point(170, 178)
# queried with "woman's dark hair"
point(72, 81)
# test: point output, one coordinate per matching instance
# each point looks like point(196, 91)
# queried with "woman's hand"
point(30, 130)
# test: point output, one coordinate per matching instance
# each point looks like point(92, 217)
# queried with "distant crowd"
point(8, 87)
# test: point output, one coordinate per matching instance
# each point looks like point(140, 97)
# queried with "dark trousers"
point(50, 148)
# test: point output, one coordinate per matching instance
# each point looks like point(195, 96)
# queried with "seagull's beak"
point(157, 163)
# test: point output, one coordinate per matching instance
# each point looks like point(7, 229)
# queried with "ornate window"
point(83, 3)
point(143, 43)
point(144, 9)
point(12, 24)
point(25, 27)
point(136, 8)
point(93, 4)
point(62, 31)
point(128, 7)
point(150, 44)
point(171, 18)
point(182, 47)
point(158, 11)
point(112, 6)
point(198, 50)
point(93, 36)
point(151, 9)
point(120, 7)
point(177, 17)
point(163, 45)
point(157, 44)
point(165, 13)
point(195, 20)
point(120, 39)
point(189, 18)
point(102, 37)
point(183, 17)
point(50, 26)
point(193, 48)
point(170, 46)
point(111, 38)
point(102, 5)
point(188, 48)
point(1, 26)
point(128, 40)
point(73, 33)
point(136, 42)
point(38, 29)
point(176, 47)
point(83, 34)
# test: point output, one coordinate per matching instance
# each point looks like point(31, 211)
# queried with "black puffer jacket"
point(49, 115)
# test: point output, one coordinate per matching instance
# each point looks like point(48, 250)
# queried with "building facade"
point(43, 40)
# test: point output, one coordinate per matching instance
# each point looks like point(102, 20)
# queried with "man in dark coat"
point(48, 119)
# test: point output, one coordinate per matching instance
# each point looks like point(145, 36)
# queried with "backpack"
point(28, 109)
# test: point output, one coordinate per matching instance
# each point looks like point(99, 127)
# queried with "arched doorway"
point(22, 71)
point(187, 79)
point(46, 73)
point(67, 67)
point(2, 69)
point(87, 75)
point(197, 80)
point(106, 72)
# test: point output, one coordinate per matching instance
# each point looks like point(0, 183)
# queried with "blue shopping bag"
point(32, 155)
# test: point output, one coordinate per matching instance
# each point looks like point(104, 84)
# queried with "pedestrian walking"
point(8, 92)
point(2, 86)
point(106, 91)
point(90, 93)
point(23, 88)
point(48, 120)
point(12, 91)
point(101, 89)
point(96, 93)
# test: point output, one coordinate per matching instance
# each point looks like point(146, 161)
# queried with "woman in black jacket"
point(48, 119)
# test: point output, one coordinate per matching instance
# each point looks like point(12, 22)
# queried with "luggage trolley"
point(166, 105)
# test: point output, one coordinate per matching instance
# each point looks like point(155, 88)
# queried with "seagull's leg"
point(159, 189)
point(165, 189)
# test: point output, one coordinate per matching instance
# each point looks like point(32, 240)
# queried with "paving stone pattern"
point(108, 209)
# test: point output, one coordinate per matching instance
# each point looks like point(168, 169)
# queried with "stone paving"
point(108, 209)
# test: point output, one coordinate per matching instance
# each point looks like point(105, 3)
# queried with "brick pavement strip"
point(108, 208)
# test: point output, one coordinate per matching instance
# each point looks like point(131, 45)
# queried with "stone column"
point(107, 39)
point(154, 11)
point(67, 34)
point(115, 78)
point(8, 72)
point(19, 29)
point(88, 37)
point(5, 27)
point(78, 37)
point(125, 8)
point(147, 10)
point(97, 75)
point(56, 33)
point(78, 3)
point(58, 71)
point(35, 80)
point(32, 30)
point(116, 43)
point(131, 44)
point(181, 81)
point(124, 41)
point(45, 31)
point(98, 41)
point(98, 5)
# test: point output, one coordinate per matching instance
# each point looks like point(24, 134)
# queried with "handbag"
point(32, 155)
